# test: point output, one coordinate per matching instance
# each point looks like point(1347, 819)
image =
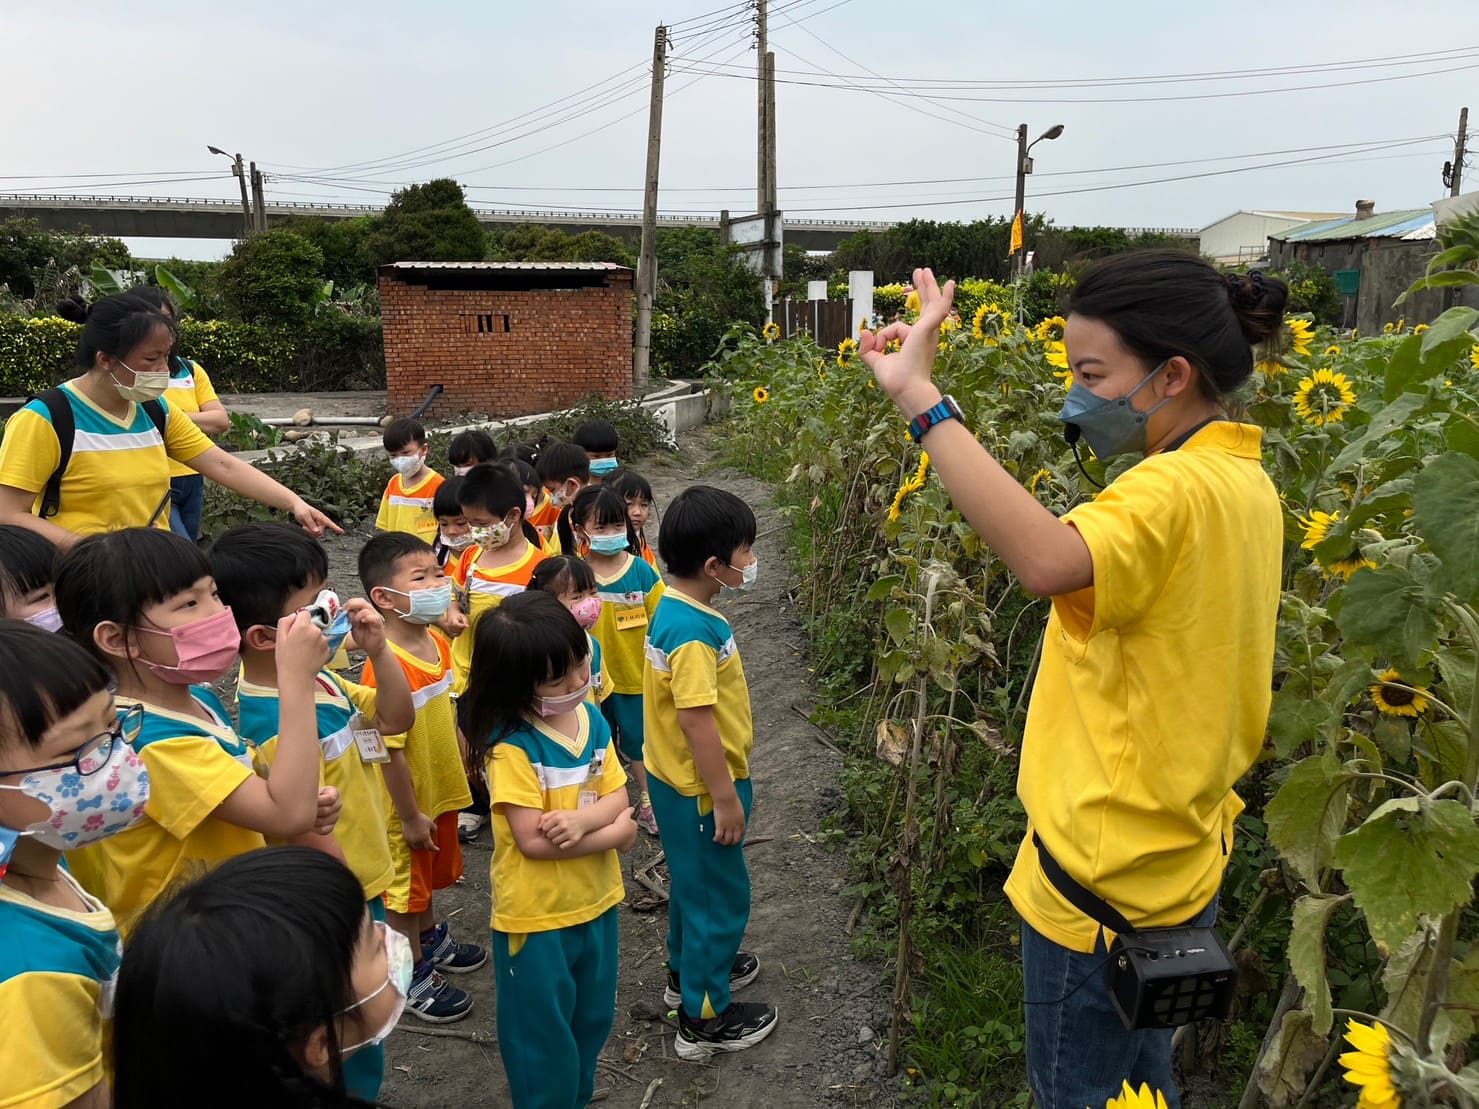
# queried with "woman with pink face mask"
point(143, 603)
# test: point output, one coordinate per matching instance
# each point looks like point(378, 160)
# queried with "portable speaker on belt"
point(1158, 977)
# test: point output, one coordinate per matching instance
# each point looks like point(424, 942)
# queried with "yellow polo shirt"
point(1153, 692)
point(190, 390)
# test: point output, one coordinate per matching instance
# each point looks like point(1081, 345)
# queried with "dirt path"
point(829, 1047)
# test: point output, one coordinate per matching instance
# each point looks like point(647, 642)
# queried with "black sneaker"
point(433, 999)
point(741, 1026)
point(744, 970)
point(449, 956)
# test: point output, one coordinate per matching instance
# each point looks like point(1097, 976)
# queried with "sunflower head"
point(1143, 1098)
point(990, 324)
point(1474, 356)
point(1332, 351)
point(1317, 526)
point(1369, 1066)
point(1395, 697)
point(761, 394)
point(1271, 368)
point(1299, 333)
point(771, 331)
point(846, 349)
point(1051, 329)
point(1323, 397)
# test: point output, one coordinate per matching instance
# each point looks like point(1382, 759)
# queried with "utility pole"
point(239, 172)
point(647, 261)
point(259, 200)
point(762, 47)
point(1021, 196)
point(765, 185)
point(1458, 152)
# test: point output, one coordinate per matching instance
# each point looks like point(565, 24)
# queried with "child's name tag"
point(370, 742)
point(629, 618)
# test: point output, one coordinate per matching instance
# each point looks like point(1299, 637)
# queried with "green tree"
point(344, 244)
point(272, 278)
point(25, 250)
point(702, 288)
point(531, 242)
point(427, 223)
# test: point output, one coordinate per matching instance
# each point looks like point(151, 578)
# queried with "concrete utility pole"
point(762, 47)
point(765, 190)
point(647, 261)
point(1458, 152)
point(1024, 167)
point(259, 200)
point(239, 172)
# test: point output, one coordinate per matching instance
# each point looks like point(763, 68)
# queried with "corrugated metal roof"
point(1409, 223)
point(1297, 215)
point(586, 267)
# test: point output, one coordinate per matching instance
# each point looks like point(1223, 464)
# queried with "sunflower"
point(771, 331)
point(1037, 477)
point(1065, 376)
point(761, 394)
point(1394, 697)
point(1370, 1065)
point(1142, 1098)
point(1301, 333)
point(910, 485)
point(1271, 368)
point(1317, 527)
point(990, 324)
point(1051, 329)
point(1419, 329)
point(1332, 351)
point(1323, 397)
point(846, 349)
point(1474, 356)
point(950, 323)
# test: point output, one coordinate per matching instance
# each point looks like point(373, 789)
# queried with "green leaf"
point(1295, 719)
point(884, 587)
point(1393, 416)
point(1284, 1069)
point(104, 280)
point(1308, 813)
point(900, 623)
point(1307, 957)
point(1404, 865)
point(1445, 508)
point(1453, 256)
point(182, 294)
point(1462, 998)
point(1448, 279)
point(1385, 611)
point(1453, 324)
point(1403, 979)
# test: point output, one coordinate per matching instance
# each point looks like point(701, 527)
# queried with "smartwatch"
point(947, 409)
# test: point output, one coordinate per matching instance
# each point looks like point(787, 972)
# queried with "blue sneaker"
point(434, 1000)
point(449, 956)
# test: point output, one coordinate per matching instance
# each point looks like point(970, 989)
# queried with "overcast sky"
point(134, 93)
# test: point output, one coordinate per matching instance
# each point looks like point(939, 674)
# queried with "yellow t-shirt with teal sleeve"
point(600, 683)
point(628, 601)
point(408, 508)
point(360, 831)
point(431, 750)
point(193, 766)
point(538, 768)
point(480, 589)
point(58, 968)
point(190, 390)
point(120, 466)
point(692, 662)
point(1152, 696)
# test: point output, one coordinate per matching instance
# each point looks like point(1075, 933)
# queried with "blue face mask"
point(603, 466)
point(1112, 426)
point(608, 544)
point(336, 632)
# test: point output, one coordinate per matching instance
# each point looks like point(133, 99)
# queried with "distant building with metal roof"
point(1243, 236)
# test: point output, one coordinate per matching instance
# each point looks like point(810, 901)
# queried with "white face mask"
point(461, 471)
point(149, 385)
point(457, 543)
point(747, 576)
point(554, 706)
point(406, 464)
point(399, 964)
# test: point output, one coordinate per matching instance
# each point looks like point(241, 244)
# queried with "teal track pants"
point(709, 891)
point(556, 1006)
point(364, 1070)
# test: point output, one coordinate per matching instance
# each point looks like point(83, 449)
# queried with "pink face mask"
point(554, 706)
point(206, 649)
point(587, 611)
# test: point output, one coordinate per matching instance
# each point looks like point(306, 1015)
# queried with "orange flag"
point(1016, 235)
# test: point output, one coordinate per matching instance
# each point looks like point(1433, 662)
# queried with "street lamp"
point(240, 174)
point(1024, 167)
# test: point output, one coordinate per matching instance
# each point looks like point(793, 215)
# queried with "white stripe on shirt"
point(115, 441)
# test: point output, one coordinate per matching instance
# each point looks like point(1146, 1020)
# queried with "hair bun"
point(73, 308)
point(1258, 302)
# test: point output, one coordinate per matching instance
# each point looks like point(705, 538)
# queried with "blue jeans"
point(187, 499)
point(1078, 1051)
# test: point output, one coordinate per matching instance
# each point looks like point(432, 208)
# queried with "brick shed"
point(505, 338)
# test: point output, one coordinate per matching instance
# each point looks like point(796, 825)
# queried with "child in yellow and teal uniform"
point(573, 582)
point(699, 734)
point(269, 570)
point(560, 815)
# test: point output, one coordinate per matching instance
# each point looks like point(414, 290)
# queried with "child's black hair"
point(259, 566)
point(188, 1019)
point(378, 557)
point(115, 575)
point(43, 677)
point(593, 507)
point(529, 639)
point(114, 325)
point(497, 491)
point(629, 485)
point(524, 452)
point(560, 461)
point(401, 432)
point(444, 502)
point(27, 562)
point(596, 437)
point(703, 523)
point(470, 447)
point(563, 574)
point(527, 475)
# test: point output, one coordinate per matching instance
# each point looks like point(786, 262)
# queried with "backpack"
point(65, 425)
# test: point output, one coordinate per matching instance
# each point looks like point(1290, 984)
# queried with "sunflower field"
point(1348, 899)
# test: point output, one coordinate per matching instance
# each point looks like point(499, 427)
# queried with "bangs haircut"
point(444, 502)
point(379, 557)
point(43, 677)
point(595, 506)
point(402, 432)
point(115, 575)
point(27, 562)
point(561, 461)
point(524, 452)
point(471, 447)
point(259, 566)
point(563, 574)
point(629, 485)
point(596, 435)
point(703, 523)
point(530, 639)
point(491, 488)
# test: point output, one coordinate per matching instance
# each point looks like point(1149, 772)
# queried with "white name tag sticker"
point(370, 742)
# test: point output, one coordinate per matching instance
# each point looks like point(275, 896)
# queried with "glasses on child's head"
point(93, 755)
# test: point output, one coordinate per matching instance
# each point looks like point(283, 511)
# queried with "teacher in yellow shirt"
point(1152, 696)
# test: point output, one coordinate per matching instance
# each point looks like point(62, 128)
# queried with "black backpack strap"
point(64, 423)
point(154, 409)
point(1091, 905)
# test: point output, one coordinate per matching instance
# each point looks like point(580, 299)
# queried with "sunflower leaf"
point(1295, 719)
point(1307, 957)
point(1394, 415)
point(1403, 978)
point(1445, 508)
point(1308, 813)
point(1404, 865)
point(1286, 1064)
point(1386, 611)
point(1451, 325)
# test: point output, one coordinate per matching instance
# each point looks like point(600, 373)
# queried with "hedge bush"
point(331, 351)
